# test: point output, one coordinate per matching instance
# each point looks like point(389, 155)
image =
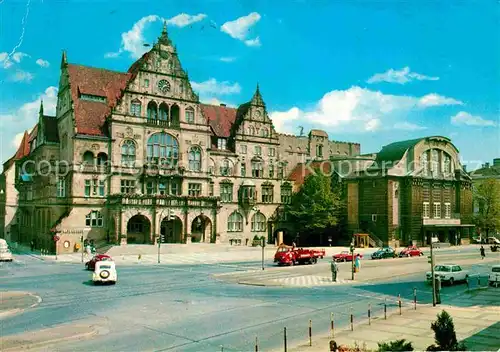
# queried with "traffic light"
point(430, 259)
point(352, 248)
point(162, 238)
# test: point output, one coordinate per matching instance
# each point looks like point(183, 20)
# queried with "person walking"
point(482, 252)
point(357, 263)
point(32, 244)
point(335, 269)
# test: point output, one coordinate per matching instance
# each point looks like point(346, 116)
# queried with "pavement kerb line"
point(29, 346)
point(38, 298)
point(10, 312)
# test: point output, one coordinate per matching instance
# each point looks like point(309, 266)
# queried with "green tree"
point(444, 334)
point(316, 206)
point(487, 196)
point(395, 346)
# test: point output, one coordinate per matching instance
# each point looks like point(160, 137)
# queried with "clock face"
point(258, 114)
point(164, 86)
point(164, 54)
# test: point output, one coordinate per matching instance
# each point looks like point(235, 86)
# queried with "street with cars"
point(206, 307)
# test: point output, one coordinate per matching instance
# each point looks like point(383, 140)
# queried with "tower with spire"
point(257, 98)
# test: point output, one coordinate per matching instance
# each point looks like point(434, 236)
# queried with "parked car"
point(386, 252)
point(105, 272)
point(449, 273)
point(90, 265)
point(345, 256)
point(5, 254)
point(411, 251)
point(494, 277)
point(493, 240)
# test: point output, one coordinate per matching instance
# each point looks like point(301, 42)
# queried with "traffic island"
point(12, 303)
point(42, 338)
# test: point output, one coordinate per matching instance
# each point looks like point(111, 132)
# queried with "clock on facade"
point(164, 86)
point(258, 114)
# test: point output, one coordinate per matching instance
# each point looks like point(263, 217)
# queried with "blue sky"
point(371, 72)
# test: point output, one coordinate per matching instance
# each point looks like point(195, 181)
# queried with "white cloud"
point(42, 63)
point(215, 101)
point(408, 126)
point(7, 62)
point(401, 77)
point(133, 40)
point(227, 59)
point(239, 28)
point(183, 19)
point(211, 86)
point(464, 118)
point(24, 118)
point(355, 109)
point(437, 100)
point(21, 76)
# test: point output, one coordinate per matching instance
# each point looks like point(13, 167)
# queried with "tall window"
point(319, 150)
point(257, 168)
point(189, 115)
point(264, 132)
point(272, 152)
point(251, 130)
point(88, 158)
point(258, 150)
point(271, 171)
point(437, 210)
point(447, 210)
point(127, 186)
point(194, 189)
point(434, 161)
point(424, 162)
point(163, 149)
point(225, 168)
point(426, 210)
point(163, 112)
point(221, 143)
point(258, 222)
point(281, 171)
point(152, 110)
point(446, 164)
point(94, 219)
point(61, 187)
point(135, 108)
point(243, 149)
point(235, 222)
point(267, 194)
point(226, 192)
point(243, 170)
point(128, 153)
point(286, 193)
point(195, 159)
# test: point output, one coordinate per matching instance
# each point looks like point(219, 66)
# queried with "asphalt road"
point(182, 308)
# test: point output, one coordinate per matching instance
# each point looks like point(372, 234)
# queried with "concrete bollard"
point(415, 298)
point(399, 303)
point(284, 339)
point(385, 309)
point(369, 314)
point(352, 320)
point(332, 326)
point(310, 333)
point(256, 344)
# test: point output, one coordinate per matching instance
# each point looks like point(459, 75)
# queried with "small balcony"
point(162, 123)
point(162, 201)
point(454, 219)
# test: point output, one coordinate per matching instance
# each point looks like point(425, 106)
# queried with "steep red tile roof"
point(220, 118)
point(301, 171)
point(24, 147)
point(33, 133)
point(90, 115)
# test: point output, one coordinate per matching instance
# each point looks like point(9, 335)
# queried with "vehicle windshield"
point(442, 268)
point(496, 269)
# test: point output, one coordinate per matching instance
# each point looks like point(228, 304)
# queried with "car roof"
point(496, 266)
point(107, 262)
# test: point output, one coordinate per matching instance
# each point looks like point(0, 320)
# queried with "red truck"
point(287, 255)
point(345, 256)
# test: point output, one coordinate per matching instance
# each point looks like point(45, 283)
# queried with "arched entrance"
point(201, 229)
point(138, 229)
point(171, 230)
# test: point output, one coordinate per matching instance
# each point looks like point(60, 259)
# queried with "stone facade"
point(413, 191)
point(138, 158)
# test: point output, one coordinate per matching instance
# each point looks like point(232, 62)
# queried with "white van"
point(5, 254)
point(105, 272)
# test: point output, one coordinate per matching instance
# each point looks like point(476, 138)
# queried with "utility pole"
point(161, 238)
point(263, 244)
point(352, 259)
point(83, 249)
point(433, 278)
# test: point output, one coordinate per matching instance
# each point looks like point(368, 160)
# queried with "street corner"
point(16, 302)
point(40, 340)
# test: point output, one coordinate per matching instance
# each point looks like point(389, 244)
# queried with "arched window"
point(235, 222)
point(135, 108)
point(195, 159)
point(424, 162)
point(264, 132)
point(102, 159)
point(128, 153)
point(152, 110)
point(319, 150)
point(174, 114)
point(94, 219)
point(446, 164)
point(163, 149)
point(163, 112)
point(225, 168)
point(251, 130)
point(434, 160)
point(189, 115)
point(88, 158)
point(258, 222)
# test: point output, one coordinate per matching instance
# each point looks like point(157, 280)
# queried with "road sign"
point(56, 238)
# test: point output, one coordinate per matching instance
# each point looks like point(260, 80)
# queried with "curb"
point(16, 311)
point(29, 346)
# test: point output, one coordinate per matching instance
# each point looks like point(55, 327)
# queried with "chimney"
point(487, 165)
point(222, 104)
point(465, 168)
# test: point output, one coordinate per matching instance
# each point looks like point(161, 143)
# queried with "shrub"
point(444, 334)
point(396, 346)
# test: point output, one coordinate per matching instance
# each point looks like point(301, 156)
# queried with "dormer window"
point(221, 144)
point(135, 108)
point(91, 97)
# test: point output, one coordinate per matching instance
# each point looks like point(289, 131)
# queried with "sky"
point(370, 72)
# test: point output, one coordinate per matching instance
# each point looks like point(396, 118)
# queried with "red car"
point(345, 256)
point(90, 265)
point(411, 251)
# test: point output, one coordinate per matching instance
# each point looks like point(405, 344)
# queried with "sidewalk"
point(475, 324)
point(16, 302)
